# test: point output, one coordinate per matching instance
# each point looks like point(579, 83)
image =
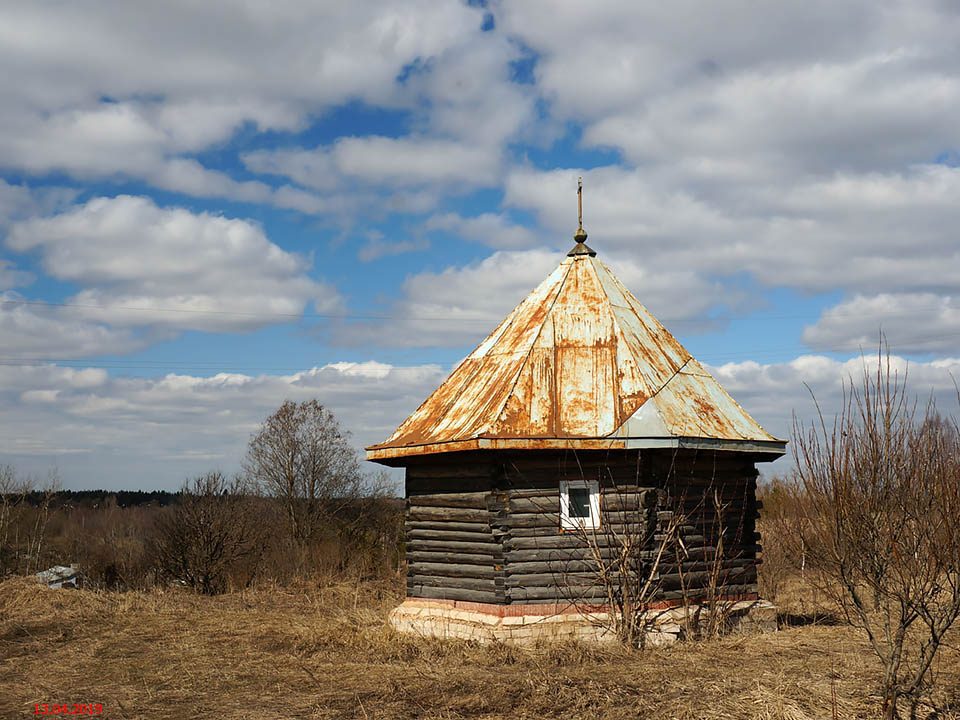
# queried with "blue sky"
point(207, 209)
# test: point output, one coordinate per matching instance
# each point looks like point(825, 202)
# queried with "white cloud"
point(772, 393)
point(392, 162)
point(377, 247)
point(489, 229)
point(910, 323)
point(866, 233)
point(153, 432)
point(142, 265)
point(37, 332)
point(10, 277)
point(464, 108)
point(109, 90)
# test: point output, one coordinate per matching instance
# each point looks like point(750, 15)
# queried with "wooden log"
point(503, 531)
point(418, 556)
point(615, 532)
point(416, 512)
point(480, 596)
point(451, 570)
point(551, 580)
point(490, 548)
point(511, 519)
point(566, 540)
point(697, 596)
point(460, 583)
point(555, 554)
point(735, 576)
point(565, 594)
point(723, 565)
point(578, 565)
point(543, 505)
point(476, 500)
point(474, 527)
point(460, 470)
point(610, 501)
point(533, 494)
point(446, 536)
point(525, 520)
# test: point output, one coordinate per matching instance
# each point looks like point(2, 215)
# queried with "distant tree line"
point(302, 507)
point(97, 498)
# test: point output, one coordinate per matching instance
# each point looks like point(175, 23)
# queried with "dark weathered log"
point(566, 594)
point(562, 580)
point(474, 527)
point(451, 570)
point(577, 565)
point(617, 532)
point(553, 542)
point(417, 556)
point(734, 576)
point(446, 535)
point(416, 512)
point(525, 520)
point(696, 595)
point(534, 494)
point(461, 583)
point(549, 531)
point(709, 551)
point(424, 591)
point(721, 565)
point(556, 554)
point(542, 505)
point(475, 500)
point(620, 501)
point(491, 548)
point(459, 470)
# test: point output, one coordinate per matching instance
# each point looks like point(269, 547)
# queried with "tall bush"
point(881, 490)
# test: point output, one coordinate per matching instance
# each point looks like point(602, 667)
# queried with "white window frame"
point(576, 523)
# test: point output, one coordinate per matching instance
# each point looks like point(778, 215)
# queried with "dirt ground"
point(325, 652)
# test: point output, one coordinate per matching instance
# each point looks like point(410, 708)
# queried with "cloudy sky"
point(207, 208)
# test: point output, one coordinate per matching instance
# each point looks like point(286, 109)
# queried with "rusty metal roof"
point(580, 363)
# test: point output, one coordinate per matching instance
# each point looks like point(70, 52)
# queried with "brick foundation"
point(528, 624)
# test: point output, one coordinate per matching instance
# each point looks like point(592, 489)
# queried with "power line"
point(435, 318)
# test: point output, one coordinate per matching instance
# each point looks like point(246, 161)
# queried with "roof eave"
point(770, 449)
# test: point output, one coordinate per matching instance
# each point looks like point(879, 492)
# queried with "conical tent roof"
point(581, 364)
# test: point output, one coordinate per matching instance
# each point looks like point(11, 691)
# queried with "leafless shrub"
point(624, 560)
point(881, 487)
point(212, 536)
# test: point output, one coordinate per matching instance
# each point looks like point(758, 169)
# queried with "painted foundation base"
point(530, 624)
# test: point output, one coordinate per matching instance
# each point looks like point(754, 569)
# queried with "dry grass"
point(326, 653)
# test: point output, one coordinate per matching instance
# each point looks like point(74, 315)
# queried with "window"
point(579, 504)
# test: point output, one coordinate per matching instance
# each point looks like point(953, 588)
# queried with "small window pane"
point(579, 502)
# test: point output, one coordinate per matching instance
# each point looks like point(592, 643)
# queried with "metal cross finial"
point(579, 203)
point(581, 235)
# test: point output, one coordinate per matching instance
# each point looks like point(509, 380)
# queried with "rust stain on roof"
point(579, 361)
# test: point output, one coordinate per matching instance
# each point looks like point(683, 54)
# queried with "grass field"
point(325, 652)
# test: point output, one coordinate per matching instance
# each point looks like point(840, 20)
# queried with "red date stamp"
point(68, 709)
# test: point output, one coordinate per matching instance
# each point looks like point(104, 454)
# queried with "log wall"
point(485, 527)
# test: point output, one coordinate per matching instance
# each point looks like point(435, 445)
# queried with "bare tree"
point(211, 535)
point(881, 486)
point(302, 457)
point(24, 512)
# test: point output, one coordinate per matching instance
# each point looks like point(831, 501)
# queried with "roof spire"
point(581, 235)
